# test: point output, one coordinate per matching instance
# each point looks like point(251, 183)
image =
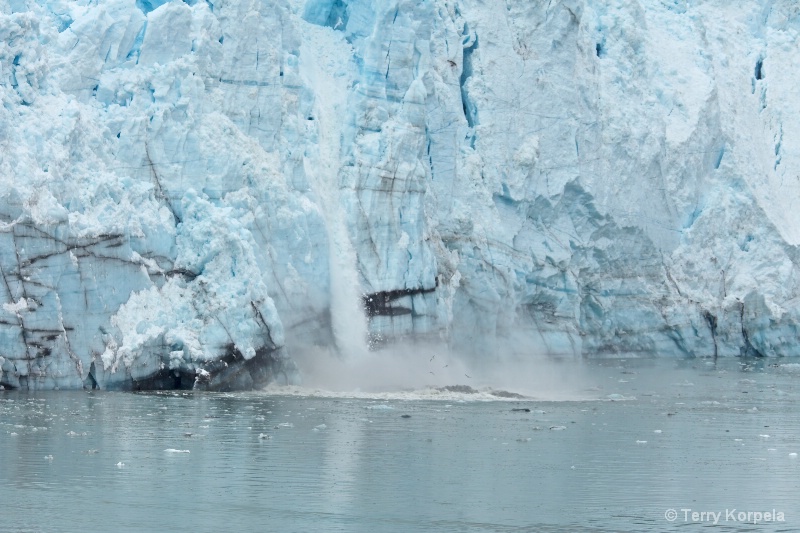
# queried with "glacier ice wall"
point(191, 191)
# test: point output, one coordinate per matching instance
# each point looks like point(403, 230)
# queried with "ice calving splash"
point(432, 372)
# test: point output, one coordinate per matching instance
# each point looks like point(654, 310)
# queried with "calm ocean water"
point(650, 437)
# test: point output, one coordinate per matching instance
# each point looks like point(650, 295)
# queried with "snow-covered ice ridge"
point(189, 191)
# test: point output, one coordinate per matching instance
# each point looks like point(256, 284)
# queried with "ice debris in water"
point(641, 442)
point(264, 436)
point(558, 428)
point(174, 450)
point(619, 397)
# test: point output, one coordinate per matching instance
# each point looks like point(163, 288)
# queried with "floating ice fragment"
point(120, 464)
point(173, 450)
point(619, 397)
point(264, 436)
point(379, 407)
point(793, 454)
point(641, 442)
point(764, 436)
point(558, 428)
point(48, 457)
point(321, 426)
point(284, 425)
point(656, 431)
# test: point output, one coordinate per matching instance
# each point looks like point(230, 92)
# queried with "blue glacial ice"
point(191, 192)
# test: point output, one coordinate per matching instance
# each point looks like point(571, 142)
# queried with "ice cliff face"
point(192, 190)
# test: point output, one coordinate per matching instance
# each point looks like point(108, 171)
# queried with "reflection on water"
point(692, 436)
